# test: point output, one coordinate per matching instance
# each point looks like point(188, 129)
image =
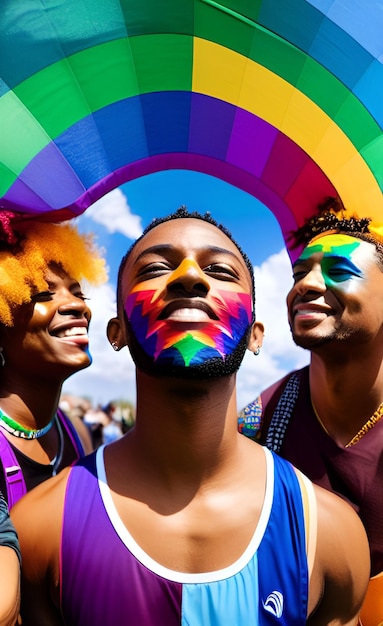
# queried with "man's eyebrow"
point(165, 248)
point(329, 254)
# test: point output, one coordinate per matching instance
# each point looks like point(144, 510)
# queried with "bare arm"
point(9, 568)
point(342, 564)
point(9, 586)
point(38, 520)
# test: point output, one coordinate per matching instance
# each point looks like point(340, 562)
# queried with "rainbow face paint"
point(340, 261)
point(186, 343)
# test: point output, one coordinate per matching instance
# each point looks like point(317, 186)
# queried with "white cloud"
point(113, 212)
point(112, 375)
point(279, 354)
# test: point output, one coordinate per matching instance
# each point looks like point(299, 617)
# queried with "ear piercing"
point(258, 350)
point(115, 346)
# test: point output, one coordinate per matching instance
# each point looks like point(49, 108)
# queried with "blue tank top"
point(107, 579)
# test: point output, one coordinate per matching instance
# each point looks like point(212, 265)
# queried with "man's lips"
point(187, 311)
point(310, 311)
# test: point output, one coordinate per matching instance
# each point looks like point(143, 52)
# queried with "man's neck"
point(345, 394)
point(183, 425)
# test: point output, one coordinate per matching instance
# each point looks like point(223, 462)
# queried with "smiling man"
point(343, 273)
point(188, 336)
point(44, 323)
point(326, 418)
point(183, 521)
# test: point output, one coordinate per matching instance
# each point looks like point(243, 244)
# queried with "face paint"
point(187, 343)
point(337, 264)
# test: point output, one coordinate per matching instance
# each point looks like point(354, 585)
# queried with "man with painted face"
point(183, 520)
point(326, 418)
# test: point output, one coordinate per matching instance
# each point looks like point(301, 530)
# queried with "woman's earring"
point(114, 346)
point(258, 350)
point(2, 359)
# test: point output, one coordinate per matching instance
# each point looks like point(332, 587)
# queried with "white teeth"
point(310, 312)
point(70, 332)
point(191, 315)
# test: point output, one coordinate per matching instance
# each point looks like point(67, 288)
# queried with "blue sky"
point(118, 218)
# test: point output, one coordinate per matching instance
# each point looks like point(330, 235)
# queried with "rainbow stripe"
point(284, 104)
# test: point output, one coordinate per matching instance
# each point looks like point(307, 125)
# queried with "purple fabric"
point(251, 143)
point(171, 130)
point(139, 594)
point(103, 583)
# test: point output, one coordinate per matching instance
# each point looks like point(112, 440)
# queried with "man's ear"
point(256, 337)
point(115, 334)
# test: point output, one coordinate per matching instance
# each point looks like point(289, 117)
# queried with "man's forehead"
point(183, 232)
point(335, 244)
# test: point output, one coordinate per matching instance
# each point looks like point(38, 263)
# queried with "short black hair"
point(331, 217)
point(181, 213)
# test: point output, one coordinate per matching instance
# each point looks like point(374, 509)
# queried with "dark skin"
point(185, 497)
point(9, 586)
point(341, 290)
point(343, 328)
point(40, 335)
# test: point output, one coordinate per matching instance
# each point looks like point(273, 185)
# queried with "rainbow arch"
point(284, 104)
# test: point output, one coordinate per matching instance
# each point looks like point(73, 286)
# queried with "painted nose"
point(189, 276)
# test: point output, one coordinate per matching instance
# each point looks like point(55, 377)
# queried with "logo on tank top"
point(274, 604)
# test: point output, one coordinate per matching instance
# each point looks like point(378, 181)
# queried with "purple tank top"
point(106, 579)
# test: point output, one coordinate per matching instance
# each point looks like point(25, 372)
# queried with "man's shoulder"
point(38, 517)
point(341, 559)
point(44, 497)
point(338, 524)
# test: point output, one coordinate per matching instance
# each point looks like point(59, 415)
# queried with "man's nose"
point(189, 277)
point(313, 280)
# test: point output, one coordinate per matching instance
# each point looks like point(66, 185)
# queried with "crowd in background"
point(103, 423)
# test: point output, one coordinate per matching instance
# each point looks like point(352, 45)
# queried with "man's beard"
point(312, 342)
point(170, 364)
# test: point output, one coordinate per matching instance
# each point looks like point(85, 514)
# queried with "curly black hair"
point(331, 216)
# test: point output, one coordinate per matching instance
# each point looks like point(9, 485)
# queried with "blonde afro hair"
point(27, 248)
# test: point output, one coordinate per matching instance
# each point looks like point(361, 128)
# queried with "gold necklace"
point(375, 417)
